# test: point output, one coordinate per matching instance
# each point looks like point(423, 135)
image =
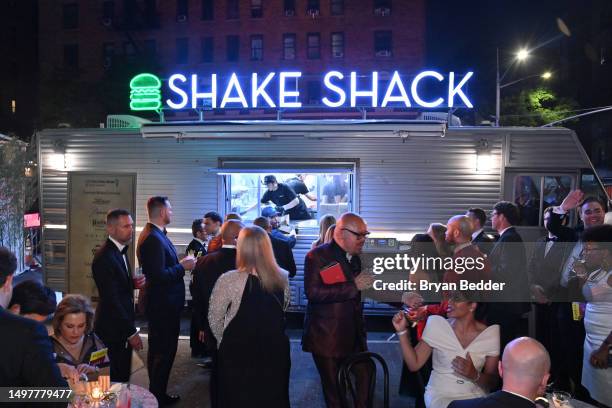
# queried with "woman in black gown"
point(247, 317)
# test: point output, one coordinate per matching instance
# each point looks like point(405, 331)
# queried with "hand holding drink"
point(138, 278)
point(188, 262)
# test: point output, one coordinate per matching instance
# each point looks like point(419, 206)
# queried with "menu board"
point(90, 196)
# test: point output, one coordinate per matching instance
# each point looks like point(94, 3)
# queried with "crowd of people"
point(240, 293)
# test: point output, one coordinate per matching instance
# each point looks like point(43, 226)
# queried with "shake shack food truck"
point(400, 175)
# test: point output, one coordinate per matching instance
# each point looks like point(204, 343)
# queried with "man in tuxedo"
point(205, 274)
point(524, 371)
point(165, 295)
point(508, 265)
point(197, 248)
point(480, 238)
point(282, 250)
point(547, 258)
point(25, 349)
point(592, 213)
point(114, 319)
point(333, 325)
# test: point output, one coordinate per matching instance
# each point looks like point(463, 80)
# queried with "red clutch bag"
point(332, 274)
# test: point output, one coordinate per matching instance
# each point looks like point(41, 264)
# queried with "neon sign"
point(280, 90)
point(145, 92)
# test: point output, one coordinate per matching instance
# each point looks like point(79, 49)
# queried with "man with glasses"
point(334, 326)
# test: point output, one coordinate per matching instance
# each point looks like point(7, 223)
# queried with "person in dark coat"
point(524, 371)
point(509, 265)
point(25, 348)
point(480, 238)
point(165, 295)
point(282, 250)
point(205, 274)
point(114, 321)
point(197, 248)
point(333, 325)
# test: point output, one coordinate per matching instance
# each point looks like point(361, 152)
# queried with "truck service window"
point(321, 193)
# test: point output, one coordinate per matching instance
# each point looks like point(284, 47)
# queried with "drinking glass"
point(561, 399)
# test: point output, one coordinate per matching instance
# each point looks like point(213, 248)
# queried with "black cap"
point(269, 179)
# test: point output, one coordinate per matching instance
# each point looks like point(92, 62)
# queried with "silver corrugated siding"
point(403, 186)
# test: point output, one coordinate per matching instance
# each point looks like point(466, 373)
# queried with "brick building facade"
point(83, 41)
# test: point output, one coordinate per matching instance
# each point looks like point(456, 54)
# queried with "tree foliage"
point(535, 107)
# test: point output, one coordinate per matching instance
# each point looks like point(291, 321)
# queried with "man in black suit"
point(282, 251)
point(508, 265)
point(197, 248)
point(524, 371)
point(25, 349)
point(114, 319)
point(205, 274)
point(481, 239)
point(333, 325)
point(165, 295)
point(544, 271)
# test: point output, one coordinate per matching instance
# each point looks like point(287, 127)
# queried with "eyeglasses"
point(359, 235)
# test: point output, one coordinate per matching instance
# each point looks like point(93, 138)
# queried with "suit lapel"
point(127, 273)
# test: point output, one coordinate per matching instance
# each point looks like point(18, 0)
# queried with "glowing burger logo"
point(145, 92)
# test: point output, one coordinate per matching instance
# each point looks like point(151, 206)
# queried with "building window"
point(71, 56)
point(313, 8)
point(314, 92)
point(233, 9)
point(208, 49)
point(208, 9)
point(13, 106)
point(337, 7)
point(70, 16)
point(150, 48)
point(108, 12)
point(182, 50)
point(256, 47)
point(182, 10)
point(289, 7)
point(256, 9)
point(129, 50)
point(313, 45)
point(337, 45)
point(382, 7)
point(289, 46)
point(108, 53)
point(233, 47)
point(383, 43)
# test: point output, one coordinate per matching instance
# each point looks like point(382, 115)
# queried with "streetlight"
point(520, 56)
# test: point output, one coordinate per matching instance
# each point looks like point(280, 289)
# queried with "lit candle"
point(96, 393)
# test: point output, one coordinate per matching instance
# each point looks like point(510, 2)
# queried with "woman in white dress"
point(465, 352)
point(597, 290)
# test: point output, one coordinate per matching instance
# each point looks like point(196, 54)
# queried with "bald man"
point(524, 369)
point(205, 274)
point(473, 266)
point(333, 326)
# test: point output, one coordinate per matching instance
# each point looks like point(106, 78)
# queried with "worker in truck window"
point(286, 201)
point(298, 185)
point(335, 190)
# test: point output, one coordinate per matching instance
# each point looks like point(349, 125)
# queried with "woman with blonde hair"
point(74, 341)
point(247, 317)
point(325, 222)
point(329, 235)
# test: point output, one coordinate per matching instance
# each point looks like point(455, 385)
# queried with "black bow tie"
point(124, 250)
point(554, 239)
